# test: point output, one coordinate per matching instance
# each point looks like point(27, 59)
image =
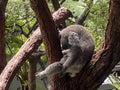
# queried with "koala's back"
point(75, 28)
point(84, 36)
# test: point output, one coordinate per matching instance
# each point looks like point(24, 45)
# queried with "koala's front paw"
point(41, 74)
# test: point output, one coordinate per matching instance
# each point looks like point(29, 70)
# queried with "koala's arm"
point(73, 54)
point(70, 58)
point(64, 52)
point(75, 50)
point(52, 69)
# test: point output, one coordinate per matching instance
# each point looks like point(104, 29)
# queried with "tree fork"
point(108, 56)
point(94, 73)
point(25, 51)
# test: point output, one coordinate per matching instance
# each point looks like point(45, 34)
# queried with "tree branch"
point(83, 16)
point(2, 34)
point(14, 64)
point(108, 56)
point(56, 4)
point(19, 58)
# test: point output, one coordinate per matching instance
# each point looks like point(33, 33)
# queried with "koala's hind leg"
point(52, 69)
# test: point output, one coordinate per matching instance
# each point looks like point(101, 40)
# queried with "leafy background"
point(20, 21)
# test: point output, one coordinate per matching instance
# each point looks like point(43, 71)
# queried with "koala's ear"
point(73, 39)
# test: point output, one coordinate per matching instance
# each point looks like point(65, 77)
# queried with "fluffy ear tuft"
point(73, 39)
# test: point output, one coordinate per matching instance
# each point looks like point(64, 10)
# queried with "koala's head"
point(69, 39)
point(64, 40)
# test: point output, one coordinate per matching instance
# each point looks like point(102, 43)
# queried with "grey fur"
point(77, 48)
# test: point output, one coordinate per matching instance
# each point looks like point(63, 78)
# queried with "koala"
point(77, 47)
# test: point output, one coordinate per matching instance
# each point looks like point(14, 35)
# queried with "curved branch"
point(14, 64)
point(20, 57)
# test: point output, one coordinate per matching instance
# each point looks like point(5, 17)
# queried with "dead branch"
point(61, 15)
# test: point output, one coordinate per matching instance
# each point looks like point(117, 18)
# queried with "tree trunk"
point(14, 64)
point(95, 72)
point(31, 73)
point(108, 56)
point(2, 35)
point(25, 51)
point(47, 27)
point(56, 4)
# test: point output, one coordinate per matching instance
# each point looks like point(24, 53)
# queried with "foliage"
point(18, 24)
point(97, 18)
point(21, 20)
point(75, 6)
point(23, 74)
point(115, 80)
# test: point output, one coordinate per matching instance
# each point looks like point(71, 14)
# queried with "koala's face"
point(64, 42)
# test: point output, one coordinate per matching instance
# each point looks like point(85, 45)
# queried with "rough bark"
point(14, 64)
point(47, 27)
point(56, 4)
point(94, 73)
point(17, 61)
point(3, 61)
point(108, 56)
point(61, 15)
point(33, 59)
point(31, 73)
